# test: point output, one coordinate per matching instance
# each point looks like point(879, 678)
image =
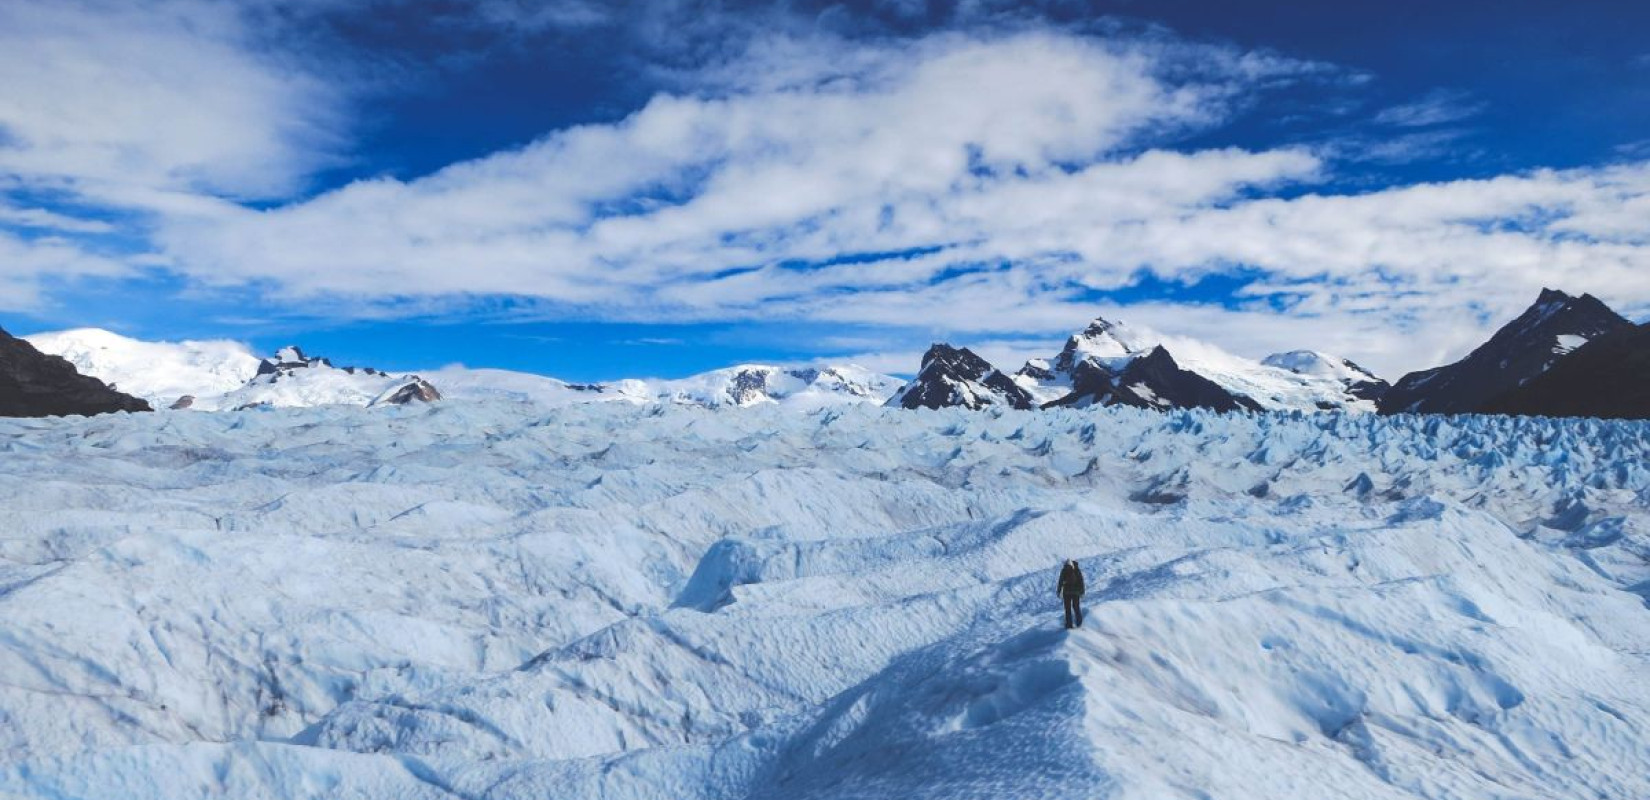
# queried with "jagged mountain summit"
point(953, 377)
point(1608, 377)
point(1556, 325)
point(1104, 344)
point(1111, 363)
point(36, 384)
point(1099, 355)
point(1152, 381)
point(293, 379)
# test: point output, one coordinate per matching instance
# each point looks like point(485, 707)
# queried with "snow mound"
point(507, 600)
point(1319, 365)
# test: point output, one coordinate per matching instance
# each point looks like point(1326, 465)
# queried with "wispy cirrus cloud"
point(27, 261)
point(1438, 107)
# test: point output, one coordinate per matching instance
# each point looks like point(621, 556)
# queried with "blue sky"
point(596, 190)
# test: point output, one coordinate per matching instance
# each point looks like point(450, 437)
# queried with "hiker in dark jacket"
point(1070, 589)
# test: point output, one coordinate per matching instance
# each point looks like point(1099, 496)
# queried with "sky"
point(596, 190)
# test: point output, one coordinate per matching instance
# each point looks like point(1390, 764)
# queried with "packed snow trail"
point(499, 600)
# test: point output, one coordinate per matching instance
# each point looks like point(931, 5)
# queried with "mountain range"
point(225, 375)
point(1564, 356)
point(1109, 363)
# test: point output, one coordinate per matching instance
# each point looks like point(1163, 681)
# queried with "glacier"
point(500, 599)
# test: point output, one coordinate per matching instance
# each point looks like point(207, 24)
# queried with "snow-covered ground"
point(493, 599)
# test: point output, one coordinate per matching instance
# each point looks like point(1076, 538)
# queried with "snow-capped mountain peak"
point(40, 384)
point(1357, 381)
point(1554, 325)
point(1105, 346)
point(292, 356)
point(1322, 365)
point(799, 388)
point(159, 372)
point(1105, 340)
point(1088, 367)
point(223, 375)
point(293, 379)
point(955, 376)
point(795, 387)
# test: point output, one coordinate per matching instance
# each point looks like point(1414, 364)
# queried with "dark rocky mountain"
point(1093, 358)
point(1522, 350)
point(1103, 345)
point(33, 384)
point(1609, 378)
point(1152, 381)
point(417, 390)
point(957, 378)
point(1371, 390)
point(291, 358)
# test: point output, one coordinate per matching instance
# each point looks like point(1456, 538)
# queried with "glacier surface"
point(495, 599)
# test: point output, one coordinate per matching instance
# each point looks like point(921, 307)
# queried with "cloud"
point(700, 203)
point(25, 260)
point(114, 100)
point(42, 219)
point(902, 363)
point(1403, 147)
point(1438, 107)
point(139, 110)
point(994, 188)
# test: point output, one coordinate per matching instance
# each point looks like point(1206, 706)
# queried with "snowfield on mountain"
point(498, 599)
point(1301, 380)
point(159, 372)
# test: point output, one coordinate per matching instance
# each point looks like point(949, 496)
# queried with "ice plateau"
point(498, 599)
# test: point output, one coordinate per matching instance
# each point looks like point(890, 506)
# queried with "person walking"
point(1070, 589)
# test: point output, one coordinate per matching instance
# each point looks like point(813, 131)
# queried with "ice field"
point(488, 600)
